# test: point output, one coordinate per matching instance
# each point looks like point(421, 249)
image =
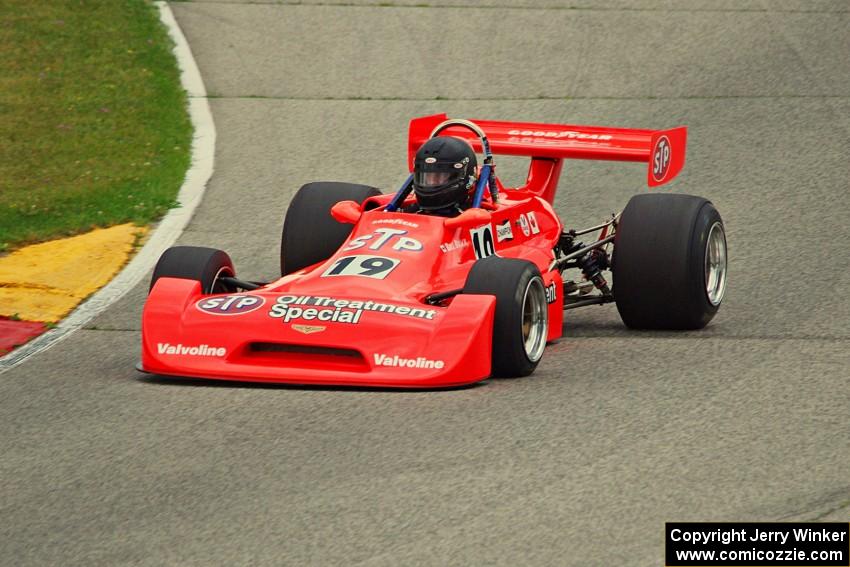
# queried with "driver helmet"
point(443, 172)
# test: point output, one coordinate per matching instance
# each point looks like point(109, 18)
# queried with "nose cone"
point(313, 339)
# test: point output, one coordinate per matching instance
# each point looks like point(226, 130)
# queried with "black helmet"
point(443, 170)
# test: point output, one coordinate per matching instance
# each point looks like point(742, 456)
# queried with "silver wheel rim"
point(223, 271)
point(715, 264)
point(535, 319)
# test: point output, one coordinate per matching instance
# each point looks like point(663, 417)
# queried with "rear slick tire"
point(670, 262)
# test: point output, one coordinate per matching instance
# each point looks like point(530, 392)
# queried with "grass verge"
point(94, 128)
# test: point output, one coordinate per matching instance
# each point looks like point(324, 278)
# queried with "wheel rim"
point(217, 286)
point(535, 319)
point(715, 264)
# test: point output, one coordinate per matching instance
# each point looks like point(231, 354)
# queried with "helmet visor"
point(436, 178)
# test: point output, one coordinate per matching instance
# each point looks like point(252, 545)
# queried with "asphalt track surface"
point(617, 431)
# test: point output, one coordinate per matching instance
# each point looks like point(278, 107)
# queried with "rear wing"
point(662, 150)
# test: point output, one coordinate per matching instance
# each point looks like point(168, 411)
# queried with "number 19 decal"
point(377, 267)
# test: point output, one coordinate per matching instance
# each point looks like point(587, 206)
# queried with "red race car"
point(394, 291)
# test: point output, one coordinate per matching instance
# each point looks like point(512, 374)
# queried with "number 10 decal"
point(482, 241)
point(377, 267)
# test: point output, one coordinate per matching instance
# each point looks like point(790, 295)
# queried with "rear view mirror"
point(347, 212)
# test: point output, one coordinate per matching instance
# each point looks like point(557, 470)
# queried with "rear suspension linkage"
point(591, 259)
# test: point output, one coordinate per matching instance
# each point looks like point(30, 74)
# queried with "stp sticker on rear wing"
point(662, 150)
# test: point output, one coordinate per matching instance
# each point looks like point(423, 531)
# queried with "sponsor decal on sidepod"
point(551, 293)
point(523, 224)
point(532, 223)
point(456, 244)
point(504, 232)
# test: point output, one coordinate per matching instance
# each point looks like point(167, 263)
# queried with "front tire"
point(204, 265)
point(521, 321)
point(310, 234)
point(670, 262)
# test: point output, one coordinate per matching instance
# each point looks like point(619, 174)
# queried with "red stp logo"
point(661, 159)
point(230, 304)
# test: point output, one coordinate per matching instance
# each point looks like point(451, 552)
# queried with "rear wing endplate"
point(662, 150)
